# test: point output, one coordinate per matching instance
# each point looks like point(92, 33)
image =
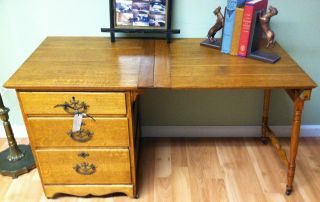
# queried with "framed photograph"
point(140, 16)
point(135, 14)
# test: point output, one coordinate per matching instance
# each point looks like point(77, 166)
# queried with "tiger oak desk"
point(68, 75)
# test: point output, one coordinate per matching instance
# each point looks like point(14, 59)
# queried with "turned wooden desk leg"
point(298, 107)
point(265, 116)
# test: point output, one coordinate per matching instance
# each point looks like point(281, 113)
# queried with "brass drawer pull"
point(81, 135)
point(85, 168)
point(74, 106)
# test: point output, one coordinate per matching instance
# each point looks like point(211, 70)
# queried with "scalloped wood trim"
point(85, 190)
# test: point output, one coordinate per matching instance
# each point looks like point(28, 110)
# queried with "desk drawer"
point(43, 103)
point(91, 166)
point(57, 132)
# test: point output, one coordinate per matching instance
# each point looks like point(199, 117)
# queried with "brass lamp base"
point(19, 167)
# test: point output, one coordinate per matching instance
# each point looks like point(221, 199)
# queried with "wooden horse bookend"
point(211, 41)
point(262, 24)
point(265, 25)
point(216, 27)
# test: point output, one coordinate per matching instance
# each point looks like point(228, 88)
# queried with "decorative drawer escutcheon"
point(85, 168)
point(83, 154)
point(74, 107)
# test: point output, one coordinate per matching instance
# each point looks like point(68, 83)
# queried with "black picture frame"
point(146, 28)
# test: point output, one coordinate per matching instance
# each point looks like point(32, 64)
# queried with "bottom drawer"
point(80, 166)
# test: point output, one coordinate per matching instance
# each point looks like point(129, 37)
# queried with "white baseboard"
point(200, 131)
point(223, 131)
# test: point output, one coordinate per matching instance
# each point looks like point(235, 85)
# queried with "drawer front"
point(91, 166)
point(57, 132)
point(42, 103)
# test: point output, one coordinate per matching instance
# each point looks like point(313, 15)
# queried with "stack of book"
point(241, 32)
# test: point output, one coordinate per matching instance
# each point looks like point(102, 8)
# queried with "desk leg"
point(295, 133)
point(265, 116)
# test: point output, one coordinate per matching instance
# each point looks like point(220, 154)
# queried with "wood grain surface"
point(43, 103)
point(86, 63)
point(195, 66)
point(112, 151)
point(83, 190)
point(53, 132)
point(57, 166)
point(63, 67)
point(96, 64)
point(146, 74)
point(198, 169)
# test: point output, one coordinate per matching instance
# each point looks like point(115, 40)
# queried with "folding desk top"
point(96, 64)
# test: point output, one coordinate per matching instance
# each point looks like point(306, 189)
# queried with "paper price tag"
point(77, 121)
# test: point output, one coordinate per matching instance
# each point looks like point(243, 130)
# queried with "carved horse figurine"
point(219, 24)
point(265, 25)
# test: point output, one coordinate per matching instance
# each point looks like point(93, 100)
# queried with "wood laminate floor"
point(200, 170)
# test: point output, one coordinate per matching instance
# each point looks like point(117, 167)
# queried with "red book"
point(249, 10)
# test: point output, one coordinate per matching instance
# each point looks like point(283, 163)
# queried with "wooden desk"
point(109, 77)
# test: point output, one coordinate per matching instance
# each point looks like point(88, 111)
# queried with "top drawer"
point(42, 103)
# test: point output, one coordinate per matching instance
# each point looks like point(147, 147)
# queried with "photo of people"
point(124, 6)
point(157, 20)
point(140, 19)
point(157, 7)
point(141, 13)
point(124, 18)
point(141, 1)
point(141, 7)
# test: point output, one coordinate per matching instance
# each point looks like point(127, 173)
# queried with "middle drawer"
point(57, 132)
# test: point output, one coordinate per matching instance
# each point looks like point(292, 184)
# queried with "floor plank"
point(199, 169)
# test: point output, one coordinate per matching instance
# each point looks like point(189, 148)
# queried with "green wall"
point(25, 23)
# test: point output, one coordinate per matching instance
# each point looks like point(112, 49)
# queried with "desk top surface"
point(96, 64)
